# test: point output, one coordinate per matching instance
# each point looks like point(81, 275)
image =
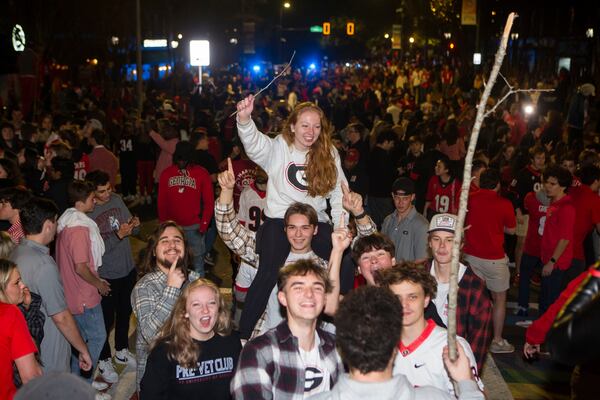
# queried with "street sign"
point(199, 53)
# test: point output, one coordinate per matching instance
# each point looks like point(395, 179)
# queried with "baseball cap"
point(443, 222)
point(405, 185)
point(95, 124)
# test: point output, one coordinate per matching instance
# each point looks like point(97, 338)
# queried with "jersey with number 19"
point(444, 197)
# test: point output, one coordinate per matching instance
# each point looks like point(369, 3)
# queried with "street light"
point(286, 5)
point(387, 36)
point(411, 40)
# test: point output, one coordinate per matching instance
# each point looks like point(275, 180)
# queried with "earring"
point(186, 315)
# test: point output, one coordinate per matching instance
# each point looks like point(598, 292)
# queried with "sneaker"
point(521, 311)
point(102, 396)
point(99, 385)
point(501, 347)
point(124, 357)
point(107, 371)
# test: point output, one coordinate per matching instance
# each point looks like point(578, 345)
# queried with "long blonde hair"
point(321, 172)
point(175, 333)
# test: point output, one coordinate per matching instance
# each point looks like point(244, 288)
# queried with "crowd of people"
point(336, 193)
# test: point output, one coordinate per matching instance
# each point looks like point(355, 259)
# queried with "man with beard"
point(163, 274)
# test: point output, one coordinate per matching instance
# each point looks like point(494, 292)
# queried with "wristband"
point(361, 215)
point(553, 260)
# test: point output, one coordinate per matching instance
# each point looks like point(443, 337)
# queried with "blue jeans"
point(528, 265)
point(195, 242)
point(550, 290)
point(91, 327)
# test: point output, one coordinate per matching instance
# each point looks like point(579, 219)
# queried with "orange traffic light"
point(326, 28)
point(451, 46)
point(350, 28)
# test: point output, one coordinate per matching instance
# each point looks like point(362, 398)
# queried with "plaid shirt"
point(473, 314)
point(152, 301)
point(35, 318)
point(270, 366)
point(242, 241)
point(16, 232)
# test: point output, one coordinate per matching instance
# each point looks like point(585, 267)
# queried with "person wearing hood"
point(185, 195)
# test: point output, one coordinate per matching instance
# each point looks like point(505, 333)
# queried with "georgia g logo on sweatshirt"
point(295, 176)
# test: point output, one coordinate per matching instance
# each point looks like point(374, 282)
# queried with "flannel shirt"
point(152, 302)
point(35, 318)
point(473, 314)
point(242, 241)
point(270, 366)
point(16, 232)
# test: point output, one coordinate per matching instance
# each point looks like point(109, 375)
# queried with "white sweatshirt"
point(285, 166)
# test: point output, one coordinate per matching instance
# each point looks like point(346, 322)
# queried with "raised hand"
point(341, 237)
point(175, 277)
point(351, 201)
point(227, 178)
point(244, 109)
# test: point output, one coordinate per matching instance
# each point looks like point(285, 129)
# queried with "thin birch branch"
point(453, 293)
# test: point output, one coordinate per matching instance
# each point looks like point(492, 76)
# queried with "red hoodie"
point(186, 196)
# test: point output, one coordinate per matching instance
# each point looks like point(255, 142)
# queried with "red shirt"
point(535, 227)
point(186, 196)
point(74, 246)
point(15, 342)
point(536, 333)
point(444, 197)
point(488, 215)
point(587, 215)
point(82, 167)
point(560, 220)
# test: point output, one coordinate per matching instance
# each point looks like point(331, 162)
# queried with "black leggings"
point(118, 304)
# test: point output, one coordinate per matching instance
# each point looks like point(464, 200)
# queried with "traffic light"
point(326, 28)
point(451, 45)
point(350, 28)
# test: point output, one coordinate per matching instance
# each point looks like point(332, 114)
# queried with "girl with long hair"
point(195, 354)
point(303, 166)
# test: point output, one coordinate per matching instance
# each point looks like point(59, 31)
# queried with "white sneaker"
point(124, 357)
point(99, 385)
point(103, 396)
point(107, 371)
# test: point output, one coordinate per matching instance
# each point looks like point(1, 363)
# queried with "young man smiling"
point(163, 273)
point(422, 341)
point(116, 224)
point(296, 359)
point(261, 309)
point(474, 308)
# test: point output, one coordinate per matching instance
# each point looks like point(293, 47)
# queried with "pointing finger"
point(345, 188)
point(229, 165)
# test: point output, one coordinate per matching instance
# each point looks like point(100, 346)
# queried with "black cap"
point(405, 185)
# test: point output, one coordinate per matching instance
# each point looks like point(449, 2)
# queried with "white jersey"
point(252, 205)
point(421, 361)
point(285, 166)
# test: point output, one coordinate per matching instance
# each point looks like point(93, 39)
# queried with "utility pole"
point(138, 57)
